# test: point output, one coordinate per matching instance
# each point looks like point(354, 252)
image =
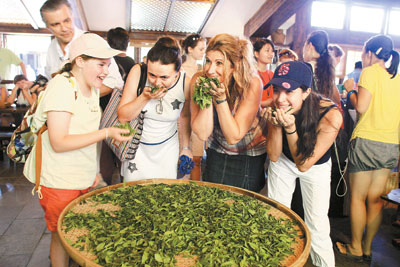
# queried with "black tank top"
point(285, 145)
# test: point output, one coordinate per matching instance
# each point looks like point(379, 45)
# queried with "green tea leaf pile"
point(201, 94)
point(156, 223)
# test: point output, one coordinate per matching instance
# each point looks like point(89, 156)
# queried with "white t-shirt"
point(55, 56)
point(55, 59)
point(74, 169)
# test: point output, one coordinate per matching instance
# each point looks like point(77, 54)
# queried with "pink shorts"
point(54, 201)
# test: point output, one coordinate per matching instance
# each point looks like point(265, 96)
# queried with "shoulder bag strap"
point(38, 152)
point(38, 159)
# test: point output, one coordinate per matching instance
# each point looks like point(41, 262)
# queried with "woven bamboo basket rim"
point(280, 211)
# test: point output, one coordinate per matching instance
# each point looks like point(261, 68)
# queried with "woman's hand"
point(96, 181)
point(349, 84)
point(285, 118)
point(37, 88)
point(269, 114)
point(278, 117)
point(218, 93)
point(118, 134)
point(186, 151)
point(160, 93)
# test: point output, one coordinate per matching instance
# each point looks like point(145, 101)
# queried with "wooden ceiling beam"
point(21, 28)
point(271, 15)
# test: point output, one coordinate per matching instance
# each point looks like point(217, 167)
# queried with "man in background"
point(355, 74)
point(58, 17)
point(8, 58)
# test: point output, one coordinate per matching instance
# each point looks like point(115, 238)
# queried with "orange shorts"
point(54, 201)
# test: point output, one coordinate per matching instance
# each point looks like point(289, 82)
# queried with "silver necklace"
point(159, 107)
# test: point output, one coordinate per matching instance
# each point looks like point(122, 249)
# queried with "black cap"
point(291, 75)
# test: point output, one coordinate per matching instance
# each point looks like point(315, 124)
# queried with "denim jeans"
point(236, 170)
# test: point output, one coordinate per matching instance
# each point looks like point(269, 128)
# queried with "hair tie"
point(378, 50)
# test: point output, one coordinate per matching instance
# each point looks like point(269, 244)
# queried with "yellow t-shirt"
point(381, 121)
point(74, 169)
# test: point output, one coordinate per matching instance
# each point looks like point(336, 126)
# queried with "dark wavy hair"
point(382, 47)
point(167, 51)
point(307, 124)
point(118, 38)
point(324, 70)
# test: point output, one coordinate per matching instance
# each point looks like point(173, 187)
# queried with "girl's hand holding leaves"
point(119, 134)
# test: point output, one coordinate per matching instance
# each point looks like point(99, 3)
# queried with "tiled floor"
point(24, 238)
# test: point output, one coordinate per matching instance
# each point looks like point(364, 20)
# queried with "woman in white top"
point(158, 152)
point(70, 106)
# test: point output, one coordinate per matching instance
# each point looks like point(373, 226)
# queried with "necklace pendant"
point(159, 107)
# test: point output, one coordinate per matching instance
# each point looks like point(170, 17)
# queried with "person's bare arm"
point(184, 123)
point(328, 129)
point(131, 105)
point(23, 68)
point(361, 100)
point(58, 123)
point(13, 95)
point(234, 127)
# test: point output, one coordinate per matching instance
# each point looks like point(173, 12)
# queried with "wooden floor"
point(24, 238)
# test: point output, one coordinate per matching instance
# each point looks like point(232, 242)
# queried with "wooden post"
point(302, 28)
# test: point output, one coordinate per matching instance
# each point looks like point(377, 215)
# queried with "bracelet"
point(186, 147)
point(106, 133)
point(295, 130)
point(220, 101)
point(351, 92)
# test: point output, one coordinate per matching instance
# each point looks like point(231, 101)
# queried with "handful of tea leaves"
point(274, 111)
point(126, 125)
point(154, 89)
point(201, 95)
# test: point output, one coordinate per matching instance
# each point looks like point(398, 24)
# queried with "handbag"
point(124, 150)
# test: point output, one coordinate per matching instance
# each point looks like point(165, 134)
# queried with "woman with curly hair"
point(236, 146)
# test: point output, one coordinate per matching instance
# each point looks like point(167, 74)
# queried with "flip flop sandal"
point(348, 254)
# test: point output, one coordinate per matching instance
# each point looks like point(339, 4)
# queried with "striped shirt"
point(252, 144)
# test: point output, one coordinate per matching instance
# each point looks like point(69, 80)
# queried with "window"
point(32, 50)
point(143, 51)
point(328, 14)
point(394, 22)
point(366, 19)
point(352, 57)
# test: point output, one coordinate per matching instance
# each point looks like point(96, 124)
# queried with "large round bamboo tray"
point(301, 248)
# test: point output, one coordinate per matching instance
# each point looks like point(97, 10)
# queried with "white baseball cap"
point(92, 45)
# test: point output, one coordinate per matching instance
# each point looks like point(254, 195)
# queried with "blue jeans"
point(236, 170)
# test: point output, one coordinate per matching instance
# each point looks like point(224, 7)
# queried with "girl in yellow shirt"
point(374, 148)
